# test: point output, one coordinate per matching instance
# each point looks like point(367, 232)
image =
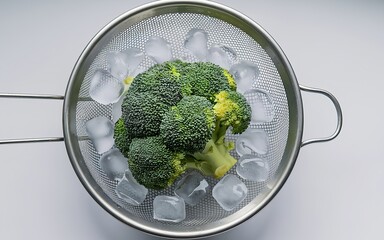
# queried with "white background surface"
point(335, 190)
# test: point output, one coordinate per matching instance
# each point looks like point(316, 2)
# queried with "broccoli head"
point(189, 125)
point(150, 95)
point(198, 129)
point(175, 116)
point(152, 164)
point(232, 109)
point(162, 80)
point(208, 79)
point(155, 166)
point(142, 113)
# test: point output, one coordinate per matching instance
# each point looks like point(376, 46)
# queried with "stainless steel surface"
point(31, 140)
point(31, 96)
point(338, 112)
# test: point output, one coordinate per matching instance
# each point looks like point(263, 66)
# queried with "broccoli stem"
point(218, 135)
point(219, 138)
point(214, 160)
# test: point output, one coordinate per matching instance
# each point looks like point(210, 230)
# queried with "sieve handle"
point(31, 96)
point(338, 112)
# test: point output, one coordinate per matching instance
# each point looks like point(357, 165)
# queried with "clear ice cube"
point(229, 192)
point(252, 141)
point(252, 168)
point(123, 64)
point(263, 109)
point(192, 188)
point(105, 88)
point(159, 49)
point(138, 70)
point(222, 55)
point(245, 74)
point(116, 110)
point(196, 42)
point(100, 131)
point(168, 208)
point(113, 164)
point(130, 191)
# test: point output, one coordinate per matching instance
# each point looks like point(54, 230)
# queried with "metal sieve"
point(172, 20)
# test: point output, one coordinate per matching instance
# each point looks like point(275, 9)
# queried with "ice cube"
point(113, 164)
point(245, 74)
point(252, 168)
point(100, 131)
point(104, 88)
point(229, 192)
point(116, 110)
point(252, 141)
point(263, 109)
point(168, 208)
point(158, 49)
point(138, 70)
point(196, 42)
point(192, 188)
point(123, 64)
point(130, 191)
point(222, 55)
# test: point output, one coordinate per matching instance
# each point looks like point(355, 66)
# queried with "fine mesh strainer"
point(172, 20)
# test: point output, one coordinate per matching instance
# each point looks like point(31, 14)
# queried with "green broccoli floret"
point(207, 79)
point(152, 164)
point(150, 95)
point(167, 90)
point(189, 125)
point(155, 166)
point(198, 129)
point(231, 109)
point(142, 113)
point(121, 136)
point(162, 80)
point(177, 114)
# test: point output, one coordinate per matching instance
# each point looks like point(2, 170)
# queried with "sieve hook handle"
point(31, 96)
point(338, 112)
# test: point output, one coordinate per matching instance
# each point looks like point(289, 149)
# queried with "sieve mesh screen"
point(173, 27)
